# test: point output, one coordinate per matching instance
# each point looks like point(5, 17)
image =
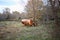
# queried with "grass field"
point(14, 30)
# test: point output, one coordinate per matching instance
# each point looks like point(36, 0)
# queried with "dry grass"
point(12, 30)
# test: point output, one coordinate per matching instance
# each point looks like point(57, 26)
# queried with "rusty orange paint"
point(27, 22)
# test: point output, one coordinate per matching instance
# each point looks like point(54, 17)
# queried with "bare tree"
point(6, 11)
point(34, 9)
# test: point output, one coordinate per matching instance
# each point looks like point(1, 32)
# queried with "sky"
point(45, 2)
point(14, 5)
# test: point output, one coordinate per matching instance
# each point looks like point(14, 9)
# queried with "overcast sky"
point(14, 5)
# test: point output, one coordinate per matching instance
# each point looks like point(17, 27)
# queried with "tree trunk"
point(56, 31)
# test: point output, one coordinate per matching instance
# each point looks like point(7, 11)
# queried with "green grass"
point(16, 31)
point(10, 23)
